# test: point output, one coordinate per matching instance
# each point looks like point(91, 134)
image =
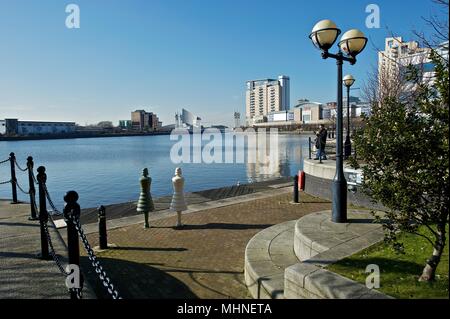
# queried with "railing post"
point(296, 189)
point(72, 214)
point(12, 161)
point(32, 189)
point(102, 235)
point(309, 147)
point(43, 214)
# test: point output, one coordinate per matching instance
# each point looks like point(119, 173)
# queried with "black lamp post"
point(348, 82)
point(323, 36)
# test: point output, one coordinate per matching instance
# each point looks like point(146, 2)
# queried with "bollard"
point(43, 214)
point(102, 235)
point(12, 161)
point(71, 214)
point(296, 189)
point(32, 189)
point(309, 147)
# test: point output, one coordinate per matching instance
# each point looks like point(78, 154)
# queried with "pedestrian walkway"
point(22, 274)
point(205, 259)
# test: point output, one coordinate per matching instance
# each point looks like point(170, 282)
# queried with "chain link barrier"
point(55, 211)
point(20, 188)
point(53, 253)
point(20, 168)
point(95, 263)
point(5, 182)
point(4, 161)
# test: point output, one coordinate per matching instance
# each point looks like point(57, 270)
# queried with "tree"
point(405, 148)
point(105, 124)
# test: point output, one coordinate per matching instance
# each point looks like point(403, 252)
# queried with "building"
point(266, 96)
point(310, 112)
point(125, 124)
point(142, 120)
point(187, 119)
point(14, 127)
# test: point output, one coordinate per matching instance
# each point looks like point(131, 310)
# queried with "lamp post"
point(323, 36)
point(348, 82)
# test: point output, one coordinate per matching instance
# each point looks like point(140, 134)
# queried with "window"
point(404, 49)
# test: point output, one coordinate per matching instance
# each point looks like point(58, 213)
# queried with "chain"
point(5, 182)
point(4, 161)
point(20, 168)
point(33, 200)
point(57, 261)
point(95, 263)
point(21, 189)
point(52, 205)
point(34, 178)
point(52, 251)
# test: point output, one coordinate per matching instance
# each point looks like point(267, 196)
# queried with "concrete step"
point(267, 255)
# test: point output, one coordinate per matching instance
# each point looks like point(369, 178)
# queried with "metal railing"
point(71, 213)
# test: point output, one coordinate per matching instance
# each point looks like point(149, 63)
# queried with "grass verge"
point(399, 272)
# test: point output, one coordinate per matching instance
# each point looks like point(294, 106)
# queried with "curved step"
point(267, 255)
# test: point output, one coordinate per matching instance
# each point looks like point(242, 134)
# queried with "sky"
point(164, 55)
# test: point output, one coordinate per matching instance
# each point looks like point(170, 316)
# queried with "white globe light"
point(324, 34)
point(353, 42)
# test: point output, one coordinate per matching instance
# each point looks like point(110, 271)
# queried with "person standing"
point(321, 142)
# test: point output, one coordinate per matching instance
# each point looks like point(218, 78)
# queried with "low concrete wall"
point(321, 187)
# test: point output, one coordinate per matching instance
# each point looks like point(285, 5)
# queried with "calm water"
point(107, 170)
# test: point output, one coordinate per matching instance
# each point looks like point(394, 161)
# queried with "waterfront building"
point(310, 112)
point(266, 96)
point(397, 56)
point(14, 127)
point(142, 120)
point(125, 124)
point(186, 119)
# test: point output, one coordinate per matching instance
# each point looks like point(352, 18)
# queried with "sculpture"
point(145, 202)
point(178, 203)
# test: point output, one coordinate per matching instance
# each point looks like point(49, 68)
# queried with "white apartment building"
point(266, 96)
point(398, 55)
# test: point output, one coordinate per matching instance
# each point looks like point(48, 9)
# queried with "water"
point(107, 170)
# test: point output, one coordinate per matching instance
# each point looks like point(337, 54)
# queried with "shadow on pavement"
point(135, 280)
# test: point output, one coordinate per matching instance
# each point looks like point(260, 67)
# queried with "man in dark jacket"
point(321, 141)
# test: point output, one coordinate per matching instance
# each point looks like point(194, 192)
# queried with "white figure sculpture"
point(178, 203)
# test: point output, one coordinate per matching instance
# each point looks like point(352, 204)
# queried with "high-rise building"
point(266, 96)
point(142, 120)
point(393, 63)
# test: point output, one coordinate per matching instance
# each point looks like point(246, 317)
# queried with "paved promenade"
point(205, 259)
point(22, 274)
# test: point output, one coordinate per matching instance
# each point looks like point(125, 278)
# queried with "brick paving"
point(203, 260)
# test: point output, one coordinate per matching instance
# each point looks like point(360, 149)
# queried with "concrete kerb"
point(309, 279)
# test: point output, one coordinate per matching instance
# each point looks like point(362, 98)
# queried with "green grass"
point(399, 272)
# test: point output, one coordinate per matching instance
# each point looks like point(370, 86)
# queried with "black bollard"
point(32, 189)
point(43, 214)
point(296, 189)
point(102, 235)
point(309, 147)
point(12, 161)
point(71, 215)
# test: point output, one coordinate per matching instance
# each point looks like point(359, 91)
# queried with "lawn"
point(399, 272)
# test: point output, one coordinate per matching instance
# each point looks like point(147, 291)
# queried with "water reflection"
point(107, 170)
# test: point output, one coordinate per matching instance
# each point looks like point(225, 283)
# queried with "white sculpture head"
point(178, 171)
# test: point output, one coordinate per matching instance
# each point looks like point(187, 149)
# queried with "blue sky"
point(167, 54)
